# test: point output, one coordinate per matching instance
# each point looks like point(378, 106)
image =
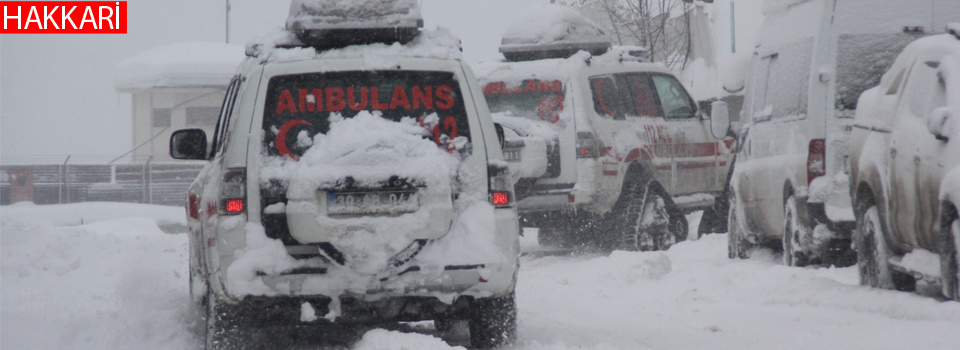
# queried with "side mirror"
point(500, 135)
point(939, 123)
point(189, 144)
point(719, 119)
point(705, 108)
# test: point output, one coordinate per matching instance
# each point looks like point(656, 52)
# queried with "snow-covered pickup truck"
point(356, 184)
point(627, 149)
point(905, 169)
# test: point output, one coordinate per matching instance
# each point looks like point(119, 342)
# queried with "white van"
point(362, 184)
point(812, 60)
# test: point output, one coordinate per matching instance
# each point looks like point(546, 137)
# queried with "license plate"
point(367, 203)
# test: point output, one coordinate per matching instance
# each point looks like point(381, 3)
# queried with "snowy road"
point(119, 282)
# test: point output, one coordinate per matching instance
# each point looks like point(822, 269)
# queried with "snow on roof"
point(557, 68)
point(327, 14)
point(190, 64)
point(550, 25)
point(554, 68)
point(283, 46)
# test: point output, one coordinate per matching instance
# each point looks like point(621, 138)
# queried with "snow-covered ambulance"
point(355, 176)
point(607, 150)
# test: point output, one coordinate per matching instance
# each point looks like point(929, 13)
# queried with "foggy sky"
point(57, 94)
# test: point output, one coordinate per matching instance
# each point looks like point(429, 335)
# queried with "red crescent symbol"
point(281, 140)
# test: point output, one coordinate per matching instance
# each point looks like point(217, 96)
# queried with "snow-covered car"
point(363, 184)
point(609, 150)
point(905, 168)
point(812, 61)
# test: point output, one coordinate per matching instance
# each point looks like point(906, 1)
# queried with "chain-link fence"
point(163, 183)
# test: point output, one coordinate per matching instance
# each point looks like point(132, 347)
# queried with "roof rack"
point(631, 53)
point(555, 50)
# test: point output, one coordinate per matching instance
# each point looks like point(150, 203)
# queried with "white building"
point(175, 87)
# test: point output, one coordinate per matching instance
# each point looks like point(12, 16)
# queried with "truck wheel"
point(643, 219)
point(950, 240)
point(873, 254)
point(737, 244)
point(493, 322)
point(793, 232)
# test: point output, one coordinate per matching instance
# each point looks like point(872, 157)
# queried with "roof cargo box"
point(552, 31)
point(329, 24)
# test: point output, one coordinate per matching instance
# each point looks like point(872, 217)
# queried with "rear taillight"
point(500, 198)
point(587, 145)
point(193, 205)
point(816, 160)
point(233, 192)
point(501, 188)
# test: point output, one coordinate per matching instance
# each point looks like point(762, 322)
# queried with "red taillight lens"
point(816, 160)
point(587, 145)
point(500, 184)
point(233, 191)
point(193, 206)
point(501, 198)
point(234, 206)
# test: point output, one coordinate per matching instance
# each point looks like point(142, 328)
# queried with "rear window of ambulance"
point(304, 103)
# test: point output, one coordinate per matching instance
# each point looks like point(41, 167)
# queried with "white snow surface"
point(369, 149)
point(923, 261)
point(528, 127)
point(180, 65)
point(438, 44)
point(121, 283)
point(552, 24)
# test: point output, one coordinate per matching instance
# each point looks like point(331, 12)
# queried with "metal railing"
point(150, 182)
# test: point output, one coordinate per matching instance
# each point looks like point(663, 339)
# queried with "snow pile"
point(923, 261)
point(115, 282)
point(184, 64)
point(328, 14)
point(122, 284)
point(528, 127)
point(552, 24)
point(727, 78)
point(380, 339)
point(470, 239)
point(369, 149)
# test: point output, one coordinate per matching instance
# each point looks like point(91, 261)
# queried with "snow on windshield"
point(861, 61)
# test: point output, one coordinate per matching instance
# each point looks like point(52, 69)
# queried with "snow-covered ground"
point(106, 276)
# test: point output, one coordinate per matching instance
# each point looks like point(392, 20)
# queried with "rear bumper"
point(830, 211)
point(349, 310)
point(410, 280)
